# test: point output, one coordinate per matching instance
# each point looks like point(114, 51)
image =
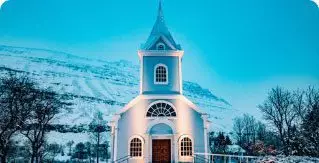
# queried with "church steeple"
point(161, 61)
point(160, 31)
point(160, 10)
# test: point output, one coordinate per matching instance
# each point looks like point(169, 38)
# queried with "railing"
point(222, 158)
point(122, 159)
point(200, 159)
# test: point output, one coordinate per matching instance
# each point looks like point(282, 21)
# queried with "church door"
point(161, 150)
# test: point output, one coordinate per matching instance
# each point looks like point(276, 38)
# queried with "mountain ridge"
point(98, 85)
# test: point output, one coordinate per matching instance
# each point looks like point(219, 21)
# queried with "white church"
point(160, 124)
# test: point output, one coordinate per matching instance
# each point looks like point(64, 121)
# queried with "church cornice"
point(176, 53)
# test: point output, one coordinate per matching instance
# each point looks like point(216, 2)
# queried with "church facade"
point(160, 124)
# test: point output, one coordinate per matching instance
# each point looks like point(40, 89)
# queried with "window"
point(186, 147)
point(161, 109)
point(161, 74)
point(136, 147)
point(160, 46)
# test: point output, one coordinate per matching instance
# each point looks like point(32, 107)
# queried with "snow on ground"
point(289, 159)
point(63, 138)
point(64, 158)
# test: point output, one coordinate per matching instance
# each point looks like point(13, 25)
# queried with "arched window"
point(136, 147)
point(160, 46)
point(186, 147)
point(161, 109)
point(160, 74)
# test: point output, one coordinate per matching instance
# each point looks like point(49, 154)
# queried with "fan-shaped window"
point(186, 147)
point(136, 147)
point(160, 74)
point(161, 109)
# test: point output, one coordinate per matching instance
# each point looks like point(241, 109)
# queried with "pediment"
point(160, 40)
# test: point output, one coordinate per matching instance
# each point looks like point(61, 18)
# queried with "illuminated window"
point(161, 109)
point(186, 147)
point(136, 147)
point(161, 74)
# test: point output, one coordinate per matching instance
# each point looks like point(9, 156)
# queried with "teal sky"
point(238, 48)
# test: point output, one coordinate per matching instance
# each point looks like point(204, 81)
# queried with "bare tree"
point(16, 96)
point(250, 129)
point(261, 132)
point(70, 144)
point(278, 110)
point(98, 128)
point(312, 99)
point(88, 147)
point(51, 151)
point(245, 129)
point(238, 127)
point(299, 104)
point(47, 106)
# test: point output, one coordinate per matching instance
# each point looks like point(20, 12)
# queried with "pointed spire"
point(160, 22)
point(160, 30)
point(160, 14)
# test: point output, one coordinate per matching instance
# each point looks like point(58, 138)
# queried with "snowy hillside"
point(99, 85)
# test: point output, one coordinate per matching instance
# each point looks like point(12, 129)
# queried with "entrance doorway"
point(161, 150)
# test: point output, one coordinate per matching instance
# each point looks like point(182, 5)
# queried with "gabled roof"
point(160, 30)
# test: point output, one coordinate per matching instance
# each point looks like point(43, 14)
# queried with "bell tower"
point(160, 60)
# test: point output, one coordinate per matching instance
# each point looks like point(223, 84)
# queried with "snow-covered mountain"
point(98, 85)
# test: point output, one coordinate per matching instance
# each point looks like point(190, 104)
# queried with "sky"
point(239, 49)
